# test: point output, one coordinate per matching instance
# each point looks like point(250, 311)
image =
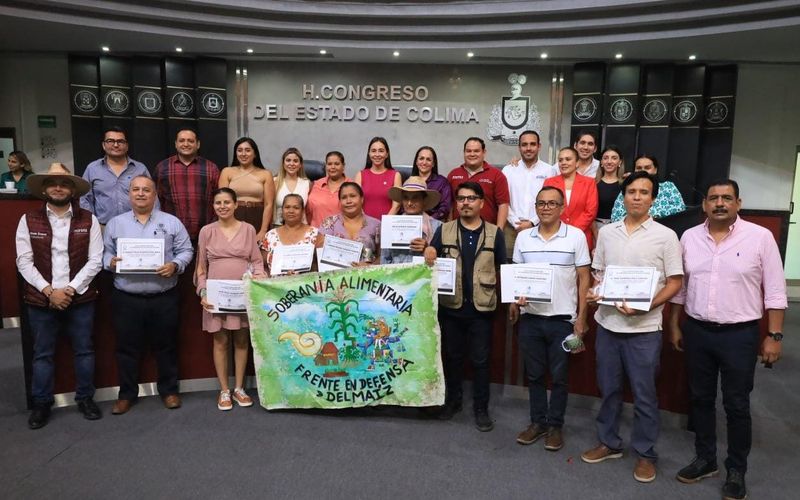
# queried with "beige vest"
point(484, 274)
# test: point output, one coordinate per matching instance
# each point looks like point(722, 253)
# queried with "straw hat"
point(57, 170)
point(416, 184)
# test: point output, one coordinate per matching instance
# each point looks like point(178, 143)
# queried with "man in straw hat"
point(59, 252)
point(415, 199)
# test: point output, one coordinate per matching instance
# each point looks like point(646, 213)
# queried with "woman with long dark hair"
point(426, 166)
point(377, 178)
point(254, 185)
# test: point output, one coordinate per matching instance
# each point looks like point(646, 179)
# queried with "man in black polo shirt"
point(466, 318)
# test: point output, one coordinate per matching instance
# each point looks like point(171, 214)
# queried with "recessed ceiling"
point(423, 32)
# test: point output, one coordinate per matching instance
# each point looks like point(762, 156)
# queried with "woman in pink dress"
point(227, 249)
point(377, 178)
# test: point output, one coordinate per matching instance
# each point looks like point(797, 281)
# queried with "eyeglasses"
point(548, 204)
point(469, 199)
point(118, 142)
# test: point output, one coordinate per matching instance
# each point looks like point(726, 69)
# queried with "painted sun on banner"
point(351, 338)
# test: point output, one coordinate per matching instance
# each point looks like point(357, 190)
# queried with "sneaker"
point(241, 397)
point(449, 409)
point(645, 471)
point(531, 434)
point(482, 420)
point(554, 440)
point(699, 469)
point(734, 488)
point(224, 402)
point(599, 453)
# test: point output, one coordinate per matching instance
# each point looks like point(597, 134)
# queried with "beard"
point(58, 202)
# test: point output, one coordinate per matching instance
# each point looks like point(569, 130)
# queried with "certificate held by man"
point(292, 258)
point(532, 282)
point(227, 296)
point(139, 255)
point(634, 285)
point(445, 274)
point(397, 231)
point(339, 253)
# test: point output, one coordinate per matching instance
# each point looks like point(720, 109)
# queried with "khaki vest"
point(484, 274)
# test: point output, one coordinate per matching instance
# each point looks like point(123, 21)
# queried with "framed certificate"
point(296, 258)
point(397, 231)
point(634, 285)
point(139, 255)
point(227, 296)
point(339, 253)
point(445, 269)
point(533, 282)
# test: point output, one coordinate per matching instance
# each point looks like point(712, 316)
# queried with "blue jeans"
point(76, 322)
point(731, 353)
point(637, 355)
point(540, 346)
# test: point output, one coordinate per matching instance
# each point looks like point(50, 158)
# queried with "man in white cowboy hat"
point(59, 252)
point(415, 199)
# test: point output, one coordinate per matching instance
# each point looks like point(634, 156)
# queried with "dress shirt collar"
point(731, 228)
point(644, 225)
point(474, 172)
point(104, 162)
point(51, 213)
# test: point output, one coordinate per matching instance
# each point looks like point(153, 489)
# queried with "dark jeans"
point(731, 353)
point(461, 335)
point(540, 346)
point(141, 321)
point(76, 322)
point(638, 356)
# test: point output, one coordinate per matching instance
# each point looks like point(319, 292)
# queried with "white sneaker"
point(224, 401)
point(241, 397)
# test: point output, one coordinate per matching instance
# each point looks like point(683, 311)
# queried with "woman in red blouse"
point(580, 192)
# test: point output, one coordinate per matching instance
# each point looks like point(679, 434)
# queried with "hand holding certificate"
point(139, 255)
point(531, 282)
point(397, 231)
point(445, 274)
point(226, 296)
point(634, 286)
point(292, 258)
point(339, 253)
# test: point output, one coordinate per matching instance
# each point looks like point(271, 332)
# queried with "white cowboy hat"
point(416, 184)
point(57, 170)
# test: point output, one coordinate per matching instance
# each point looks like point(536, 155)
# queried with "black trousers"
point(729, 352)
point(462, 336)
point(143, 321)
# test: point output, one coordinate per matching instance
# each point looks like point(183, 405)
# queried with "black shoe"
point(39, 417)
point(699, 469)
point(449, 409)
point(734, 488)
point(89, 409)
point(482, 420)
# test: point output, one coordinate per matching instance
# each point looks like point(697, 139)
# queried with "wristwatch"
point(776, 336)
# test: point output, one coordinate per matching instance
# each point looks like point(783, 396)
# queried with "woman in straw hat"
point(415, 199)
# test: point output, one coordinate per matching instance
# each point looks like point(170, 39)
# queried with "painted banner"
point(350, 338)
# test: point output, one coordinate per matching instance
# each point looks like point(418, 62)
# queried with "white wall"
point(33, 85)
point(452, 86)
point(766, 134)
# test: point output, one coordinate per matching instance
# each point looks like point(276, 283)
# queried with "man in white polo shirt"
point(543, 327)
point(525, 179)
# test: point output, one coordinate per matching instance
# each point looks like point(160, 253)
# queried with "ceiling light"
point(396, 53)
point(249, 51)
point(692, 57)
point(543, 55)
point(470, 54)
point(105, 48)
point(178, 49)
point(618, 56)
point(323, 51)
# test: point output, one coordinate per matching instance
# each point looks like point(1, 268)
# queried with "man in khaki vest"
point(466, 318)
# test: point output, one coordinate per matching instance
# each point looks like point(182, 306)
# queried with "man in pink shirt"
point(733, 271)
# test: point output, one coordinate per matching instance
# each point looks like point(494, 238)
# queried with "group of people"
point(579, 218)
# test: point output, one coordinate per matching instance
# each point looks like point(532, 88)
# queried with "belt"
point(555, 317)
point(147, 295)
point(251, 204)
point(716, 327)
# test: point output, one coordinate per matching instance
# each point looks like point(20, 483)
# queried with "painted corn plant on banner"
point(350, 338)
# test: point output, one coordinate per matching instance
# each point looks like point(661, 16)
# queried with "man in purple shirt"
point(733, 272)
